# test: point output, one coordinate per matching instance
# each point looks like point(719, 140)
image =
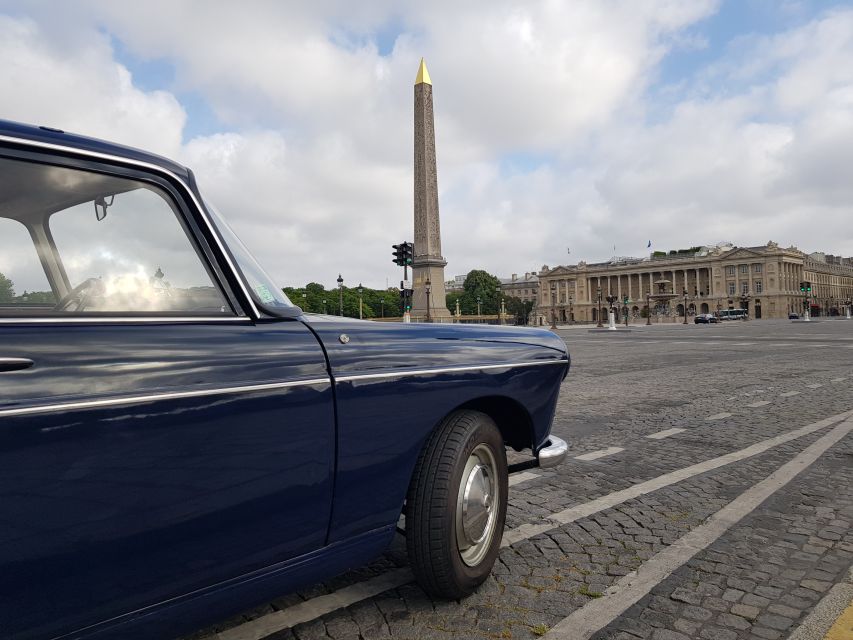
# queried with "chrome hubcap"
point(476, 508)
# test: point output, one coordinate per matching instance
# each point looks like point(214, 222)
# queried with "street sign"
point(406, 284)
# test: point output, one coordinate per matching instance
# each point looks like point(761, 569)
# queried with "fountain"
point(665, 293)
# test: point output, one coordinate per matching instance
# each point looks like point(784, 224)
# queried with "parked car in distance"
point(705, 318)
point(793, 316)
point(179, 442)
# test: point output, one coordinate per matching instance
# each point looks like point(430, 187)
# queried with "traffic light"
point(808, 287)
point(404, 254)
point(398, 254)
point(625, 300)
point(805, 287)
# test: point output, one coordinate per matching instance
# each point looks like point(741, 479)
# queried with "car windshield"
point(261, 286)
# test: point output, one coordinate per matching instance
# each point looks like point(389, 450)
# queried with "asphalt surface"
point(656, 526)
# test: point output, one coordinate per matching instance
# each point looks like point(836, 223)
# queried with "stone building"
point(524, 288)
point(764, 280)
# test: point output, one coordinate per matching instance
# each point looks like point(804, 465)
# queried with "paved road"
point(709, 494)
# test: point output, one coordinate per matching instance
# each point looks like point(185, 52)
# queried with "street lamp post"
point(360, 291)
point(744, 304)
point(500, 308)
point(553, 305)
point(324, 306)
point(478, 308)
point(598, 291)
point(685, 306)
point(428, 289)
point(340, 295)
point(304, 301)
point(648, 308)
point(382, 306)
point(571, 310)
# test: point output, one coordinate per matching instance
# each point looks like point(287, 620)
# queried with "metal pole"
point(599, 325)
point(648, 310)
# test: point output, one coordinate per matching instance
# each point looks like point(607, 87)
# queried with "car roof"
point(50, 135)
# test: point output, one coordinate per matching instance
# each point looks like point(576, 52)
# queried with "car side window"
point(104, 244)
point(23, 284)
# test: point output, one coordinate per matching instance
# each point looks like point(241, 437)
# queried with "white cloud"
point(547, 137)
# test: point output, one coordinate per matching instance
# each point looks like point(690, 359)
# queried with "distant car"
point(179, 442)
point(793, 316)
point(705, 318)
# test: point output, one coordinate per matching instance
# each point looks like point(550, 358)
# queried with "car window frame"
point(164, 180)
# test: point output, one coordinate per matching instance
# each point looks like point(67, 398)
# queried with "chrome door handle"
point(15, 364)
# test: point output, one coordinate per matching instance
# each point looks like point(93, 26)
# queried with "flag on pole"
point(649, 245)
point(568, 250)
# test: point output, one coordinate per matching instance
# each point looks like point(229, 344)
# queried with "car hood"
point(357, 346)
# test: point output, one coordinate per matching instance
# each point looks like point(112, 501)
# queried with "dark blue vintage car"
point(178, 442)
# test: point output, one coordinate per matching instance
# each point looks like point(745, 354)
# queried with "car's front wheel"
point(456, 505)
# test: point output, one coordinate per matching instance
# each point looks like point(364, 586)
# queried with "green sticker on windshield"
point(264, 294)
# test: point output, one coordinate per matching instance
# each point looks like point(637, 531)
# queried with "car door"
point(154, 438)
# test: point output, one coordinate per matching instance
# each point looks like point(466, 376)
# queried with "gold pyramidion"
point(423, 74)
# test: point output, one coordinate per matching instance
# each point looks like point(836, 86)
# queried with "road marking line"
point(523, 476)
point(719, 416)
point(830, 609)
point(814, 386)
point(741, 344)
point(760, 403)
point(665, 434)
point(597, 614)
point(838, 379)
point(788, 394)
point(315, 607)
point(595, 455)
point(587, 509)
point(347, 596)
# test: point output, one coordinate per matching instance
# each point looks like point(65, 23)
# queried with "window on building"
point(758, 287)
point(731, 287)
point(744, 288)
point(744, 268)
point(730, 271)
point(756, 268)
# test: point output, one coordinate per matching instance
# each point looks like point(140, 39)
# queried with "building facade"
point(763, 280)
point(524, 288)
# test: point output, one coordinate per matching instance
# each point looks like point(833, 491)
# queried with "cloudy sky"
point(581, 125)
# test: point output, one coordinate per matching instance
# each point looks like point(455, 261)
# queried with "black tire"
point(431, 505)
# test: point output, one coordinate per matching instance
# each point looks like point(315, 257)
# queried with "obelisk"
point(428, 265)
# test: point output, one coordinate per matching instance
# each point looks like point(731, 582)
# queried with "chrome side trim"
point(153, 397)
point(151, 167)
point(425, 372)
point(121, 319)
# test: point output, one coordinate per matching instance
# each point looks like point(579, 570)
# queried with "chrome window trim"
point(162, 171)
point(153, 397)
point(119, 319)
point(422, 372)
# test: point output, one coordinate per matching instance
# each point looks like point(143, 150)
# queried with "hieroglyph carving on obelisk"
point(428, 261)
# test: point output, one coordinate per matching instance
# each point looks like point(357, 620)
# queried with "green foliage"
point(483, 285)
point(659, 254)
point(7, 289)
point(38, 297)
point(451, 299)
point(311, 296)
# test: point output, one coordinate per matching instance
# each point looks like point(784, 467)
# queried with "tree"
point(7, 289)
point(451, 299)
point(483, 285)
point(310, 299)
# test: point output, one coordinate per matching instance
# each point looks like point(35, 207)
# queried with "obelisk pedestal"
point(428, 265)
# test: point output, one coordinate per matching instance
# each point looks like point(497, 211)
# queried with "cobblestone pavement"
point(636, 406)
